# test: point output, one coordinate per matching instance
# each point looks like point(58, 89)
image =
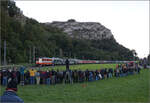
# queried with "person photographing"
point(68, 74)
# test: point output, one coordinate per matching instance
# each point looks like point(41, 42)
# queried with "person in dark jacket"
point(27, 77)
point(10, 96)
point(47, 77)
point(87, 75)
point(18, 76)
point(67, 64)
point(102, 73)
point(97, 75)
point(9, 73)
point(53, 77)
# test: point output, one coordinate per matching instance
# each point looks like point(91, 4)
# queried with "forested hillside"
point(24, 35)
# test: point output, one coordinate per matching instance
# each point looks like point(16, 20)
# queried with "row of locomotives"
point(46, 61)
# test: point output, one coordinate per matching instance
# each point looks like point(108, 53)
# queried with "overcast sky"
point(128, 20)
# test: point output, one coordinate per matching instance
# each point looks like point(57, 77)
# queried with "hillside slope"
point(24, 35)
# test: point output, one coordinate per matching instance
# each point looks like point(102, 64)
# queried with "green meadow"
point(77, 67)
point(130, 89)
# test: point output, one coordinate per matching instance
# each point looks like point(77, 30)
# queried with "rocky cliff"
point(83, 30)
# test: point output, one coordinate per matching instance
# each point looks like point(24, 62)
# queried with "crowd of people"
point(25, 76)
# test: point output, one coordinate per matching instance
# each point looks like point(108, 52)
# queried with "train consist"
point(45, 61)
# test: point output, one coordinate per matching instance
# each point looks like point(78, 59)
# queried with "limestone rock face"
point(83, 30)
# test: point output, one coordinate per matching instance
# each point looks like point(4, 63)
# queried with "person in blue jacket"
point(90, 76)
point(22, 75)
point(10, 96)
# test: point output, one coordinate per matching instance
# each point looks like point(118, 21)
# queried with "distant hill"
point(26, 38)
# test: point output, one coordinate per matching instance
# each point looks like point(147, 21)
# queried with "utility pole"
point(60, 53)
point(4, 52)
point(30, 55)
point(0, 43)
point(0, 50)
point(149, 44)
point(33, 54)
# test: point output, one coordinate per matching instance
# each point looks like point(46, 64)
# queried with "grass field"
point(81, 67)
point(133, 88)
